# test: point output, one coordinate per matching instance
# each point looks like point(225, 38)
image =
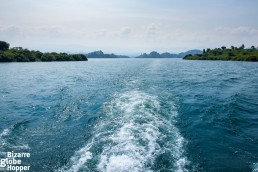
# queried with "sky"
point(128, 26)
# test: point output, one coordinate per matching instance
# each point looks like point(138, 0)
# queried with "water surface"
point(131, 115)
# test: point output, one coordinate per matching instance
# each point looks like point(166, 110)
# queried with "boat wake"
point(255, 167)
point(133, 135)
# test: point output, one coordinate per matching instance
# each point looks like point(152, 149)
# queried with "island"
point(155, 54)
point(230, 54)
point(100, 54)
point(18, 54)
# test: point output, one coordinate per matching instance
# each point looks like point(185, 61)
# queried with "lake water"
point(131, 115)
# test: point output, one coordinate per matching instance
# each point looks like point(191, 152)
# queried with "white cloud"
point(152, 29)
point(241, 30)
point(125, 31)
point(101, 33)
point(10, 31)
point(24, 31)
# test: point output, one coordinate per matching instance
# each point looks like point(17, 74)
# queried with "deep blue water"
point(131, 115)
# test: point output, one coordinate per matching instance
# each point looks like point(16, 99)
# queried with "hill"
point(155, 54)
point(100, 54)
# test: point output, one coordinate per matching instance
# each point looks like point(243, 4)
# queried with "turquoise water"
point(131, 115)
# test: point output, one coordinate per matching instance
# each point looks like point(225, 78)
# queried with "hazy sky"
point(128, 26)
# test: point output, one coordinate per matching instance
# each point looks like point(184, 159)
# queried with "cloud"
point(101, 33)
point(151, 30)
point(125, 31)
point(23, 32)
point(10, 32)
point(241, 30)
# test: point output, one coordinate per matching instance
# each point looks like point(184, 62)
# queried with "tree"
point(18, 54)
point(4, 46)
point(253, 47)
point(48, 57)
point(17, 48)
point(242, 47)
point(223, 48)
point(231, 54)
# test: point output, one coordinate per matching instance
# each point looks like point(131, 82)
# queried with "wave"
point(3, 134)
point(5, 144)
point(255, 167)
point(131, 135)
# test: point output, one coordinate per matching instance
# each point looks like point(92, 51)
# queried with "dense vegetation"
point(18, 54)
point(223, 53)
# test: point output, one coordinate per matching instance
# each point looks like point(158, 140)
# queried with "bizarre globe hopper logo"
point(13, 162)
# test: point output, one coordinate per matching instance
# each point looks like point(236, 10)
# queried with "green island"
point(230, 54)
point(18, 54)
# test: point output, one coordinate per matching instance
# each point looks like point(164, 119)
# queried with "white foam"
point(4, 142)
point(26, 146)
point(129, 136)
point(5, 132)
point(120, 163)
point(78, 159)
point(255, 167)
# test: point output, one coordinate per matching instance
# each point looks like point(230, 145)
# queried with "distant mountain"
point(193, 52)
point(155, 54)
point(100, 54)
point(169, 55)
